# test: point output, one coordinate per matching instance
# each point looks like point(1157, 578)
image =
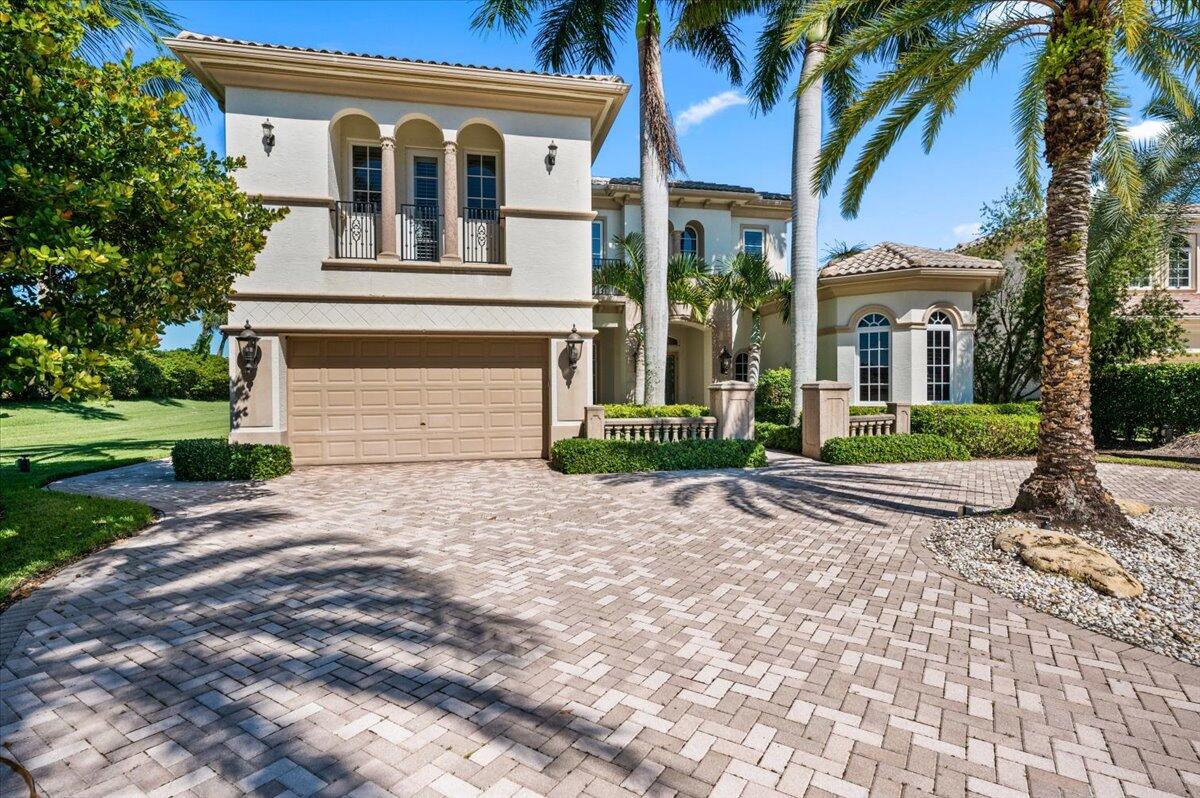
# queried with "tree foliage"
point(114, 218)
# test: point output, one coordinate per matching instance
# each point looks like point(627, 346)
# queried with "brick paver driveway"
point(495, 628)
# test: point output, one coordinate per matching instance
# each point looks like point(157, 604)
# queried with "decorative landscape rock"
point(1133, 508)
point(1061, 553)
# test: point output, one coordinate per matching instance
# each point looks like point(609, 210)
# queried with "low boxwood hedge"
point(986, 430)
point(591, 456)
point(205, 459)
point(891, 449)
point(655, 411)
point(779, 436)
point(1146, 401)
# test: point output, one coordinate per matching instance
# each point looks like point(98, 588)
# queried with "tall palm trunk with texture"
point(1064, 482)
point(806, 145)
point(754, 353)
point(655, 167)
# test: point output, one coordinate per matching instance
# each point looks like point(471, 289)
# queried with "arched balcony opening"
point(481, 178)
point(357, 154)
point(420, 186)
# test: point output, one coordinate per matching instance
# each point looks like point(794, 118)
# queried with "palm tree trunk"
point(656, 133)
point(806, 143)
point(1064, 482)
point(639, 370)
point(754, 353)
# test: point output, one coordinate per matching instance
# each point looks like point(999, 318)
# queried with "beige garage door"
point(376, 400)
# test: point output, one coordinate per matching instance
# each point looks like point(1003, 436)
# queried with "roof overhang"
point(915, 279)
point(737, 202)
point(220, 64)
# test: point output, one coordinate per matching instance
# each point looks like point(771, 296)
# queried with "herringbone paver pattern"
point(497, 629)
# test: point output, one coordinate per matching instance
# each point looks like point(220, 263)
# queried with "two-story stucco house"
point(1179, 278)
point(416, 301)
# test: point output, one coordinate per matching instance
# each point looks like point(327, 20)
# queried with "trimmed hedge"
point(206, 459)
point(176, 374)
point(590, 456)
point(891, 449)
point(1008, 430)
point(779, 436)
point(1146, 401)
point(655, 411)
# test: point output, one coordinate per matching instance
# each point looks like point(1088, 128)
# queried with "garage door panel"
point(391, 399)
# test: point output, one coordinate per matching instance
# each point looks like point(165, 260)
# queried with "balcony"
point(481, 235)
point(356, 230)
point(419, 233)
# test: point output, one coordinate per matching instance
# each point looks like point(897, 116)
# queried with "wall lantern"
point(249, 352)
point(551, 156)
point(574, 348)
point(725, 359)
point(268, 138)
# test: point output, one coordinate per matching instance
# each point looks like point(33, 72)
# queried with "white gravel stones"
point(1164, 556)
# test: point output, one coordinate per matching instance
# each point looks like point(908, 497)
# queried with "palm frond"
point(773, 61)
point(509, 15)
point(1115, 161)
point(1029, 116)
point(579, 35)
point(717, 46)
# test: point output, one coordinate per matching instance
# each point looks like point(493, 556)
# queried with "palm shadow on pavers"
point(862, 495)
point(268, 664)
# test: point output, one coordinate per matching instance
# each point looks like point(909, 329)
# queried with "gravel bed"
point(1165, 557)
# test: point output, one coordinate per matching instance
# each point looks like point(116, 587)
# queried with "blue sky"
point(931, 200)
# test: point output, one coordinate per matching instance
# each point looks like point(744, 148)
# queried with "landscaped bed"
point(41, 530)
point(1163, 554)
point(583, 456)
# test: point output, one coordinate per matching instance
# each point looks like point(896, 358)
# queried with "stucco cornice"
point(218, 64)
point(275, 296)
point(974, 280)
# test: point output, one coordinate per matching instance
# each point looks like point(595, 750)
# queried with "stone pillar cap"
point(825, 385)
point(729, 385)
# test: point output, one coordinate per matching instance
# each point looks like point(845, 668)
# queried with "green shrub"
point(181, 374)
point(774, 387)
point(205, 459)
point(121, 378)
point(655, 411)
point(891, 449)
point(1146, 401)
point(779, 436)
point(584, 456)
point(773, 414)
point(985, 433)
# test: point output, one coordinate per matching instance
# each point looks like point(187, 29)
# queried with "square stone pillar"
point(903, 413)
point(732, 404)
point(826, 408)
point(593, 422)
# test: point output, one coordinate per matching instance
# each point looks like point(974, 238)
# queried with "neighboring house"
point(1178, 277)
point(416, 301)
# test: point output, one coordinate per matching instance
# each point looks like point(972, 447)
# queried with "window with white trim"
point(597, 241)
point(481, 182)
point(939, 356)
point(366, 167)
point(1179, 264)
point(874, 358)
point(754, 241)
point(689, 242)
point(741, 367)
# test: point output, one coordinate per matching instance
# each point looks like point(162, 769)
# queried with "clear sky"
point(931, 200)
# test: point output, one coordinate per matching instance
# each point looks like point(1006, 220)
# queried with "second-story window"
point(1179, 264)
point(689, 242)
point(425, 181)
point(481, 182)
point(367, 167)
point(597, 240)
point(753, 242)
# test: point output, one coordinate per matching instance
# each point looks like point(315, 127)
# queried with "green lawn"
point(1147, 461)
point(39, 529)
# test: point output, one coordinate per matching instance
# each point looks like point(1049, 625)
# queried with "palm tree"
point(145, 23)
point(1068, 107)
point(574, 35)
point(775, 63)
point(687, 286)
point(750, 283)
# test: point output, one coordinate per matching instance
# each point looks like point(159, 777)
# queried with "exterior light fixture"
point(551, 155)
point(268, 138)
point(249, 352)
point(23, 464)
point(725, 359)
point(574, 348)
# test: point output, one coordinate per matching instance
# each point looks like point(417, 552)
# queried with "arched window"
point(874, 358)
point(689, 242)
point(741, 367)
point(939, 356)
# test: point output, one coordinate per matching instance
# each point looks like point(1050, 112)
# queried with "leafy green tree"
point(1070, 109)
point(687, 287)
point(582, 36)
point(114, 218)
point(749, 282)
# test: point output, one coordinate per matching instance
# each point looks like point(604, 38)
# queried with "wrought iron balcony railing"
point(420, 232)
point(356, 230)
point(481, 235)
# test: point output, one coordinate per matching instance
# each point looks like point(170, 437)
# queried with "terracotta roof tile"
point(699, 185)
point(889, 257)
point(223, 40)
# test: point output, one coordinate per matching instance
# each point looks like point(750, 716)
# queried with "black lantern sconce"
point(725, 360)
point(268, 138)
point(574, 349)
point(551, 156)
point(249, 352)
